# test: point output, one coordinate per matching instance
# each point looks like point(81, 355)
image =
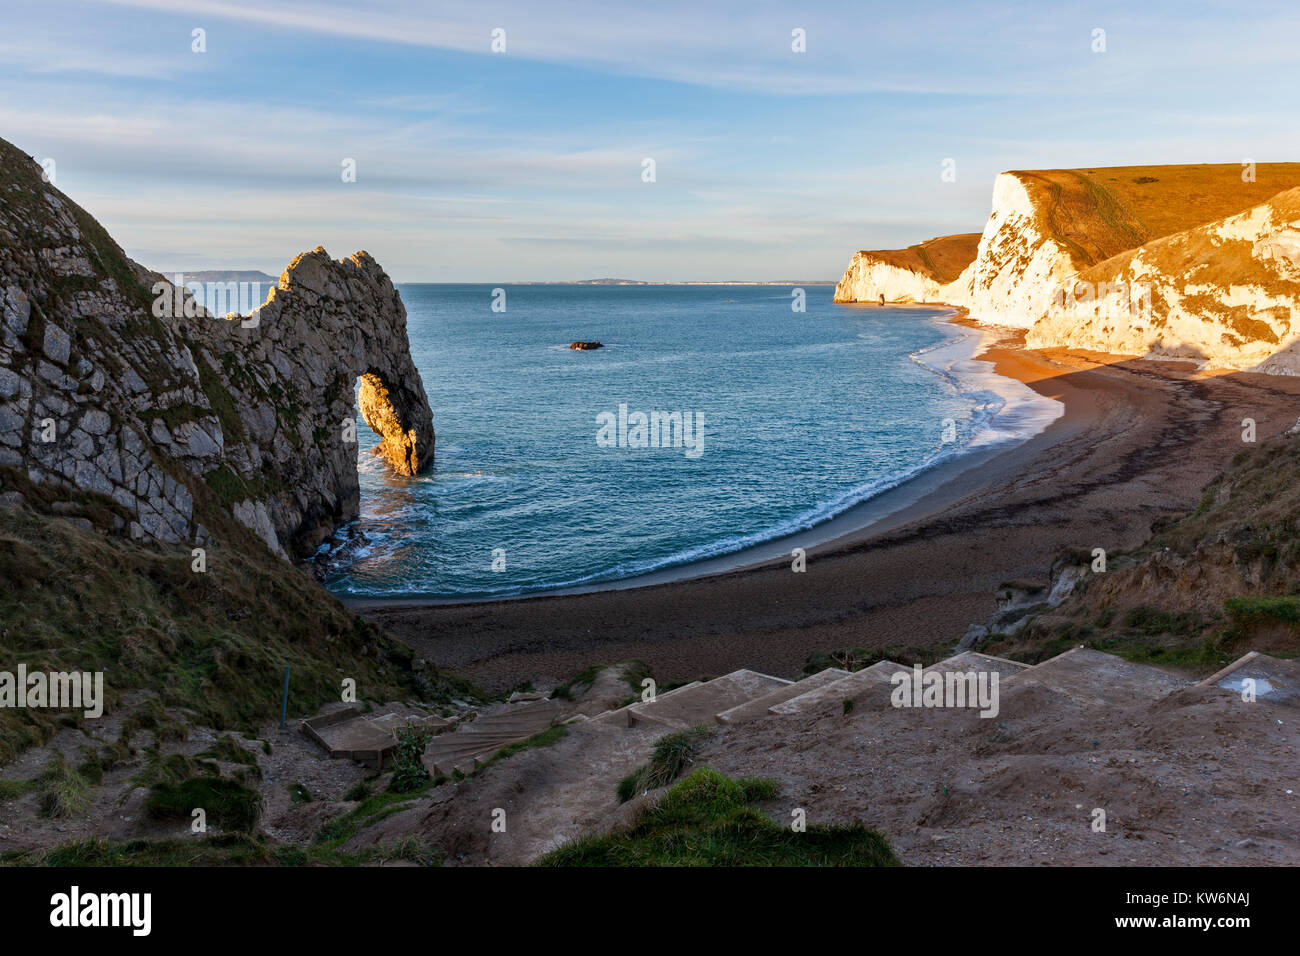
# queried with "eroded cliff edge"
point(1187, 262)
point(113, 414)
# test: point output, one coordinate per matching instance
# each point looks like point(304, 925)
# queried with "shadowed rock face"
point(120, 397)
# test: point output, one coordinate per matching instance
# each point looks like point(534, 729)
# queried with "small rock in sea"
point(585, 346)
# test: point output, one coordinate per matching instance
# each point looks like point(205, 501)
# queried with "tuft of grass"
point(577, 683)
point(12, 789)
point(298, 793)
point(412, 849)
point(227, 750)
point(358, 791)
point(707, 820)
point(368, 812)
point(64, 792)
point(228, 803)
point(671, 755)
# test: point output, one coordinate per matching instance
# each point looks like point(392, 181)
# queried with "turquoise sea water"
point(798, 416)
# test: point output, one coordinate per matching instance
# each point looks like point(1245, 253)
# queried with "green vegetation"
point(12, 789)
point(367, 813)
point(215, 644)
point(634, 672)
point(544, 739)
point(672, 754)
point(227, 750)
point(358, 791)
point(1242, 541)
point(64, 791)
point(298, 793)
point(224, 849)
point(408, 772)
point(577, 683)
point(226, 803)
point(1247, 612)
point(707, 820)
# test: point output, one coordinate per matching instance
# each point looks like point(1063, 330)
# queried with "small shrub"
point(408, 769)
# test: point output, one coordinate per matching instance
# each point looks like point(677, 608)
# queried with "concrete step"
point(1092, 677)
point(850, 687)
point(699, 703)
point(758, 707)
point(622, 716)
point(973, 661)
point(1277, 681)
point(471, 745)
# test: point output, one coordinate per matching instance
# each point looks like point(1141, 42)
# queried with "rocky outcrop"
point(1160, 262)
point(120, 395)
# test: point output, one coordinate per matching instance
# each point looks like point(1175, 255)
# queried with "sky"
point(528, 164)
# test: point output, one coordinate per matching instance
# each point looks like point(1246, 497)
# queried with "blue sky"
point(477, 166)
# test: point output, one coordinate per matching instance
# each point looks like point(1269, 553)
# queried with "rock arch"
point(161, 412)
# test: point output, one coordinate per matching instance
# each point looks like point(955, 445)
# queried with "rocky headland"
point(1178, 262)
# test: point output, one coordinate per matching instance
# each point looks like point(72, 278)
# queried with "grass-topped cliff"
point(1101, 212)
point(942, 259)
point(1198, 262)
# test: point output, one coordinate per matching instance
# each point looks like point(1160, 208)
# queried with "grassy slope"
point(942, 258)
point(1102, 212)
point(708, 820)
point(214, 643)
point(1206, 588)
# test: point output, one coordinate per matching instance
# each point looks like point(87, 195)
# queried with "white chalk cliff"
point(1090, 275)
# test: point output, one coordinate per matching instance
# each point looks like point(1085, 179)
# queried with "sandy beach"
point(916, 565)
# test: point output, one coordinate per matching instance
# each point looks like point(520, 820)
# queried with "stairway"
point(759, 706)
point(1087, 676)
point(472, 744)
point(1092, 677)
point(701, 702)
point(834, 693)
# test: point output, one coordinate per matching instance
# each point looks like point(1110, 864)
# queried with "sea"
point(712, 419)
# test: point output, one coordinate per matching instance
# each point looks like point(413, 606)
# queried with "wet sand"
point(1138, 439)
